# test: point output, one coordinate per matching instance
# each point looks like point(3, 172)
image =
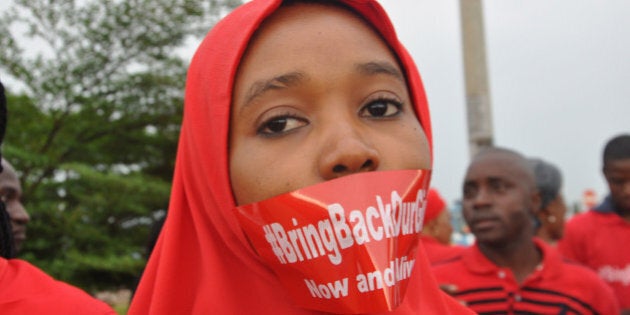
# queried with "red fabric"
point(600, 241)
point(202, 263)
point(555, 287)
point(435, 205)
point(437, 252)
point(26, 290)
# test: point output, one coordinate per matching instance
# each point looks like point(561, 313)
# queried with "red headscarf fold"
point(202, 263)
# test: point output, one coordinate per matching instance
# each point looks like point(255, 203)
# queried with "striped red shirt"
point(557, 286)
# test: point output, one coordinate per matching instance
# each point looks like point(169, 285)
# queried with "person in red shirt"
point(437, 229)
point(508, 270)
point(26, 290)
point(283, 98)
point(552, 208)
point(599, 238)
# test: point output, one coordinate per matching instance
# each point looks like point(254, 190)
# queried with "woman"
point(283, 96)
point(550, 218)
point(437, 229)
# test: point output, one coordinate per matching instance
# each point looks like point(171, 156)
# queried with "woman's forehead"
point(326, 28)
point(303, 39)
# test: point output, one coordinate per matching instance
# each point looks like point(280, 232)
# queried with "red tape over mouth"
point(347, 245)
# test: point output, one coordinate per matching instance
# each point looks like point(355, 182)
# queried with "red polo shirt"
point(555, 287)
point(601, 241)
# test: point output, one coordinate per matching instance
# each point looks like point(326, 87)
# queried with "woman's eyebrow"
point(380, 67)
point(279, 82)
point(289, 79)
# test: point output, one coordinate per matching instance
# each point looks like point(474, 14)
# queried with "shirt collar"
point(607, 206)
point(477, 262)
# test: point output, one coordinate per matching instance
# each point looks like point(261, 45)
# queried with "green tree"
point(93, 124)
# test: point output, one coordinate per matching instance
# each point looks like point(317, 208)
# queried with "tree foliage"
point(93, 124)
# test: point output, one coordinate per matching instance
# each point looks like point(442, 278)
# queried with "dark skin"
point(617, 174)
point(11, 194)
point(551, 230)
point(6, 241)
point(499, 204)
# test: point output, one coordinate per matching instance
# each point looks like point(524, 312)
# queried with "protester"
point(552, 207)
point(599, 238)
point(437, 229)
point(297, 112)
point(508, 270)
point(26, 290)
point(6, 237)
point(7, 246)
point(11, 195)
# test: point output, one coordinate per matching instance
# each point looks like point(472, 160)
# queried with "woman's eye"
point(280, 125)
point(381, 108)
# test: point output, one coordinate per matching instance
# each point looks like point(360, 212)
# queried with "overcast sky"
point(559, 74)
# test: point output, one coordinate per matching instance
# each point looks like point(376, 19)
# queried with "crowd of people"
point(508, 269)
point(302, 186)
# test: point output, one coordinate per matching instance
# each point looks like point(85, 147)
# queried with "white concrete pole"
point(478, 106)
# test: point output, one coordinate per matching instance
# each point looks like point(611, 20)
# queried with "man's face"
point(11, 194)
point(498, 198)
point(617, 173)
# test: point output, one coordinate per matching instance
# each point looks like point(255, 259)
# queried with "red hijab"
point(202, 263)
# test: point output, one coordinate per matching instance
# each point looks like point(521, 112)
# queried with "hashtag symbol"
point(271, 238)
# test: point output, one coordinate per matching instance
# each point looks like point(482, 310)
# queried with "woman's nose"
point(346, 151)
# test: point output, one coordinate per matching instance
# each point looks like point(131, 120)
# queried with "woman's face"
point(558, 209)
point(318, 95)
point(444, 229)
